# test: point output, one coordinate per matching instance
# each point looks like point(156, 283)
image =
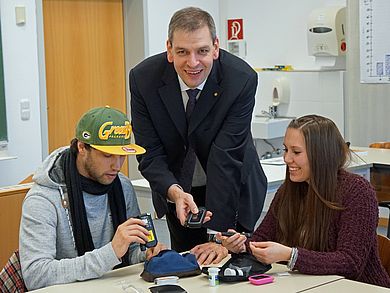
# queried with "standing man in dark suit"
point(212, 131)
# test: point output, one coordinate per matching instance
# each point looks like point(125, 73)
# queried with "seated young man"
point(79, 219)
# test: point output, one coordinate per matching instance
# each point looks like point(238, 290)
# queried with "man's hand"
point(153, 251)
point(128, 232)
point(234, 243)
point(208, 253)
point(270, 252)
point(184, 204)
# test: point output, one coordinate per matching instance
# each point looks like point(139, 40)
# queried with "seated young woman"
point(323, 219)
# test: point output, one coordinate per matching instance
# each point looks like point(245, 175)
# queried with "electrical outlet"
point(25, 110)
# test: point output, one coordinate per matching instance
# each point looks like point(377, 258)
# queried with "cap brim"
point(130, 149)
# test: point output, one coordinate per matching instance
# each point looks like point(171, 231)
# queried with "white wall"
point(276, 33)
point(368, 105)
point(275, 30)
point(21, 80)
point(311, 92)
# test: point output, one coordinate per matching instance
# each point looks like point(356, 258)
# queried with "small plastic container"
point(213, 276)
point(168, 280)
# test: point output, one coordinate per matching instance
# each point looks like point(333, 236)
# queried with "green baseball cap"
point(107, 130)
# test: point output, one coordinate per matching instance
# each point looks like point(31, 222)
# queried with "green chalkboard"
point(3, 117)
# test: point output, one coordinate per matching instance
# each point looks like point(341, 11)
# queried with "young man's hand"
point(153, 251)
point(132, 230)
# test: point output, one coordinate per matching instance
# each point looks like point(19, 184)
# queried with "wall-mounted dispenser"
point(280, 91)
point(326, 35)
point(326, 31)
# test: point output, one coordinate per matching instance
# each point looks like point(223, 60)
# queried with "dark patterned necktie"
point(191, 102)
point(187, 170)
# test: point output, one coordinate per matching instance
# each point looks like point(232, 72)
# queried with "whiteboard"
point(374, 41)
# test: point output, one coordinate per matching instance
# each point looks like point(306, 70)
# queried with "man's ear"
point(81, 147)
point(169, 51)
point(216, 49)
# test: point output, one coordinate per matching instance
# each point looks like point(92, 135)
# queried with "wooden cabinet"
point(11, 199)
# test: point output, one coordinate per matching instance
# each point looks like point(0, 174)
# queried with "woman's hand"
point(270, 252)
point(234, 243)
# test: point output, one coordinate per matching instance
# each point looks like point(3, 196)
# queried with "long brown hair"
point(306, 209)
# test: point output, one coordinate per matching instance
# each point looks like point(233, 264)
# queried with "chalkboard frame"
point(3, 111)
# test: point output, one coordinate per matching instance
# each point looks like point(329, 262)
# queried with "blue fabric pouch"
point(170, 263)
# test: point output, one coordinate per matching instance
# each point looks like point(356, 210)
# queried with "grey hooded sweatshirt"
point(48, 253)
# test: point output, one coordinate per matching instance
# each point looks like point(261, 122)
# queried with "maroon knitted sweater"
point(353, 241)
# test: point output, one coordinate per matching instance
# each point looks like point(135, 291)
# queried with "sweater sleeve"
point(355, 234)
point(38, 249)
point(267, 228)
point(132, 210)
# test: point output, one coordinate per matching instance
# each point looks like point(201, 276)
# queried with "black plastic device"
point(229, 233)
point(196, 220)
point(152, 238)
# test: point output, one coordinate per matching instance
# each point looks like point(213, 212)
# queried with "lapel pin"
point(215, 94)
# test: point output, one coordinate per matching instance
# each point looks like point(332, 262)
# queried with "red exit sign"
point(235, 29)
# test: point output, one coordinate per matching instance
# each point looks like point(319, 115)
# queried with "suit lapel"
point(208, 97)
point(171, 96)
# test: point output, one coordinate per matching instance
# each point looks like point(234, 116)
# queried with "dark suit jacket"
point(219, 132)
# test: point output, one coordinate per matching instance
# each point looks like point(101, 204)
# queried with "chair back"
point(11, 201)
point(384, 252)
point(11, 279)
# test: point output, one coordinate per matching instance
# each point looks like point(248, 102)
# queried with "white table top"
point(346, 286)
point(118, 280)
point(372, 155)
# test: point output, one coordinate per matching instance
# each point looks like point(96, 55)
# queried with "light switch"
point(25, 109)
point(20, 15)
point(25, 115)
